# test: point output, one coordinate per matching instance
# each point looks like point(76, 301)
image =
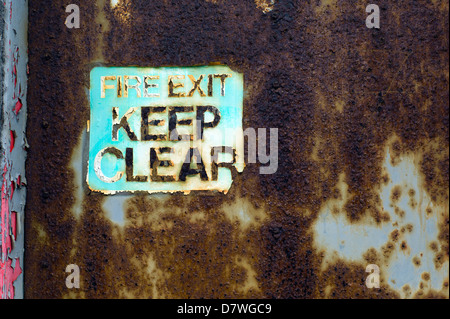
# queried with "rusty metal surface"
point(363, 153)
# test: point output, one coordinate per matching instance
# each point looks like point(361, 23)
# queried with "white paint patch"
point(76, 164)
point(338, 238)
point(245, 214)
point(251, 283)
point(157, 278)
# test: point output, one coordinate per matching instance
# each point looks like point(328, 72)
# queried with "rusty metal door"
point(362, 147)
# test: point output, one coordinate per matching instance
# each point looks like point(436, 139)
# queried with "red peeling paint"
point(4, 215)
point(8, 274)
point(13, 188)
point(18, 106)
point(7, 277)
point(14, 224)
point(11, 147)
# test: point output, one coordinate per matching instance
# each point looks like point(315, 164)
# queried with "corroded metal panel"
point(363, 153)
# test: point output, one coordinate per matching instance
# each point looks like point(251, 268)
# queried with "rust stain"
point(338, 93)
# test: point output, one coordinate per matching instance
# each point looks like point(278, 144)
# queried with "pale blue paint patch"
point(114, 206)
point(338, 238)
point(350, 241)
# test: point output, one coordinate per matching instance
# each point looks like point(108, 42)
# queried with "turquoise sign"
point(167, 129)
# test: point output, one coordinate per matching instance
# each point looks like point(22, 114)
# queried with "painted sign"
point(167, 129)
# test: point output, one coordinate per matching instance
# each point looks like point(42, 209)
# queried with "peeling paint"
point(13, 146)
